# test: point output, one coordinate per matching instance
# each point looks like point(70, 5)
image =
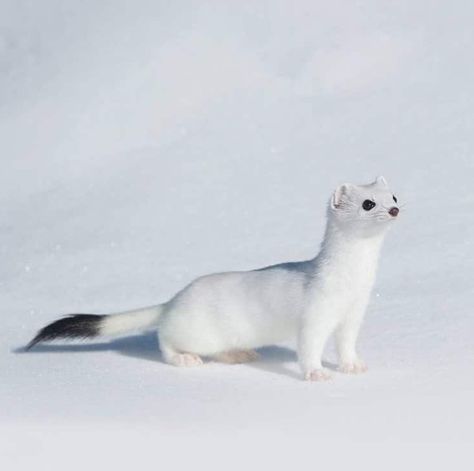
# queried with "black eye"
point(395, 199)
point(368, 205)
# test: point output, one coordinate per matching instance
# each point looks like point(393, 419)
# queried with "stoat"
point(225, 316)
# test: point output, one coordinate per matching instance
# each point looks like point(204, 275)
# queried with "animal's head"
point(365, 210)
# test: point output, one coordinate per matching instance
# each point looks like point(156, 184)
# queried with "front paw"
point(352, 367)
point(320, 374)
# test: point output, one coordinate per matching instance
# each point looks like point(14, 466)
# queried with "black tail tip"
point(74, 326)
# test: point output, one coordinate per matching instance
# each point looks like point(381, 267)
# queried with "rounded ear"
point(338, 194)
point(381, 181)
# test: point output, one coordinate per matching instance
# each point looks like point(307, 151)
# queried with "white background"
point(145, 143)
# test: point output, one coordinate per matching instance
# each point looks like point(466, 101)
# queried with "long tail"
point(82, 326)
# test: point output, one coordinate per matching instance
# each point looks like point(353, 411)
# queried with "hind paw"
point(237, 356)
point(186, 359)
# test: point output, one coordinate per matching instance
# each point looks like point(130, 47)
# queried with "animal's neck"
point(344, 247)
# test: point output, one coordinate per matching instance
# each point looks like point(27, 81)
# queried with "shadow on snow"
point(274, 359)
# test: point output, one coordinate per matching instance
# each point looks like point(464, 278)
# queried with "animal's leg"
point(346, 338)
point(317, 325)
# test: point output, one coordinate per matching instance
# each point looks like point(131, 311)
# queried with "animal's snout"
point(393, 212)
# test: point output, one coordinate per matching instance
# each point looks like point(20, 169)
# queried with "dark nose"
point(394, 212)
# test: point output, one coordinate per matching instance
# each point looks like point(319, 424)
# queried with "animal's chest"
point(351, 278)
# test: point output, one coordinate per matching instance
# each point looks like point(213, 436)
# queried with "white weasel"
point(225, 316)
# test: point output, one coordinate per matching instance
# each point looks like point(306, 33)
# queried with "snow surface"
point(145, 143)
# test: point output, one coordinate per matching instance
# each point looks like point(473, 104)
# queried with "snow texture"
point(145, 143)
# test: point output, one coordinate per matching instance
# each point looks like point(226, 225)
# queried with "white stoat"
point(224, 316)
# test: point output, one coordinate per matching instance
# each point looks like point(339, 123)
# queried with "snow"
point(146, 143)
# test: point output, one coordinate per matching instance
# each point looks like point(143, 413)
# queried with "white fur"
point(224, 314)
point(138, 319)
